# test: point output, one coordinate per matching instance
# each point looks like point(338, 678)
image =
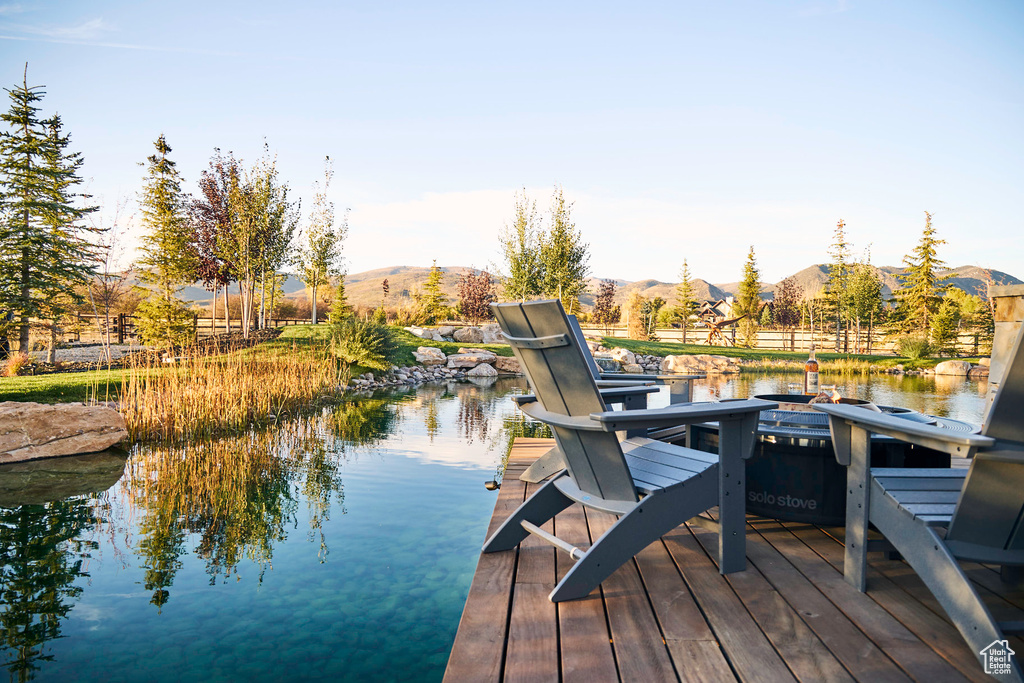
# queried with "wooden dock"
point(669, 615)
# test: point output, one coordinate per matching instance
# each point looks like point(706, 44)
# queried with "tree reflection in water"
point(41, 555)
point(226, 500)
point(237, 494)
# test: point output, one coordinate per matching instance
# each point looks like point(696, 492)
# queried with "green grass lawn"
point(62, 387)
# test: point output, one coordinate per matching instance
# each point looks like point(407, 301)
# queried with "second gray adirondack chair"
point(616, 388)
point(652, 486)
point(936, 517)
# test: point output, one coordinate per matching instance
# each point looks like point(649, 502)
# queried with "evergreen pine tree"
point(339, 303)
point(169, 259)
point(433, 301)
point(43, 251)
point(686, 298)
point(921, 294)
point(749, 301)
point(838, 287)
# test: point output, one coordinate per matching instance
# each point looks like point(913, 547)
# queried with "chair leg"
point(652, 518)
point(858, 499)
point(544, 504)
point(544, 466)
point(930, 558)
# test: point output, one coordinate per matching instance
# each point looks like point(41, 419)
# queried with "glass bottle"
point(811, 375)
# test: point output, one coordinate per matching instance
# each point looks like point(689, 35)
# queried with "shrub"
point(363, 342)
point(913, 348)
point(15, 363)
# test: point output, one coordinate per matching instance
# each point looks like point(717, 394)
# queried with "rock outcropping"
point(35, 430)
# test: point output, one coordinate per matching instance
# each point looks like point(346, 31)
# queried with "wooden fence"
point(91, 328)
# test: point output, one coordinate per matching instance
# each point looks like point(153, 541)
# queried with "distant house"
point(716, 311)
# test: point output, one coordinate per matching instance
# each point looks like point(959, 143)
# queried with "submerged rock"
point(35, 430)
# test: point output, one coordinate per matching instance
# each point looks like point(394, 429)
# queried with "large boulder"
point(492, 334)
point(624, 356)
point(482, 370)
point(699, 363)
point(429, 355)
point(34, 430)
point(469, 335)
point(470, 359)
point(632, 368)
point(607, 363)
point(446, 330)
point(960, 368)
point(507, 365)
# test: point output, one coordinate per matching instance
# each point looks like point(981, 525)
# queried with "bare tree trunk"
point(263, 299)
point(227, 316)
point(51, 348)
point(313, 290)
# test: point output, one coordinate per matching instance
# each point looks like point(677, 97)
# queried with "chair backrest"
point(577, 332)
point(990, 511)
point(544, 343)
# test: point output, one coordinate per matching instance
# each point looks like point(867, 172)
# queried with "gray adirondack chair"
point(616, 388)
point(652, 486)
point(935, 517)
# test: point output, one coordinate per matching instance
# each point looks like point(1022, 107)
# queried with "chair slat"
point(918, 509)
point(904, 497)
point(923, 483)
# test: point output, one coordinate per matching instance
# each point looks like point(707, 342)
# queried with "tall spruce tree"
point(748, 303)
point(433, 301)
point(838, 287)
point(564, 256)
point(44, 253)
point(169, 259)
point(686, 297)
point(921, 294)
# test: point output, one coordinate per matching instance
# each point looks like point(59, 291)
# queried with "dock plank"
point(533, 627)
point(691, 644)
point(583, 627)
point(479, 650)
point(803, 652)
point(640, 649)
point(746, 647)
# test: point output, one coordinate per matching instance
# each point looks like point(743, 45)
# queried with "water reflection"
point(45, 518)
point(224, 502)
point(953, 397)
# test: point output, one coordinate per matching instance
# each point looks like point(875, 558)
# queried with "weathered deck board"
point(669, 614)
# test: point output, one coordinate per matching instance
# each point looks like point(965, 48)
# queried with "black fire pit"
point(793, 474)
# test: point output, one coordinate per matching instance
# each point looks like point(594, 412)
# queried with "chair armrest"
point(537, 412)
point(611, 383)
point(613, 394)
point(686, 413)
point(843, 417)
point(616, 394)
point(649, 378)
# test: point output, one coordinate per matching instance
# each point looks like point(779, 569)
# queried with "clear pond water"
point(339, 546)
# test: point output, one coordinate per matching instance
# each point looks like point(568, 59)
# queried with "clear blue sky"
point(679, 129)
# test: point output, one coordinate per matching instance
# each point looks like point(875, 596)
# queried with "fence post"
point(120, 328)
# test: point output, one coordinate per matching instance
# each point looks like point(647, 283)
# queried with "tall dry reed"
point(204, 395)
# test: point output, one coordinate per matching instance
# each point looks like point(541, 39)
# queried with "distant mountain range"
point(365, 288)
